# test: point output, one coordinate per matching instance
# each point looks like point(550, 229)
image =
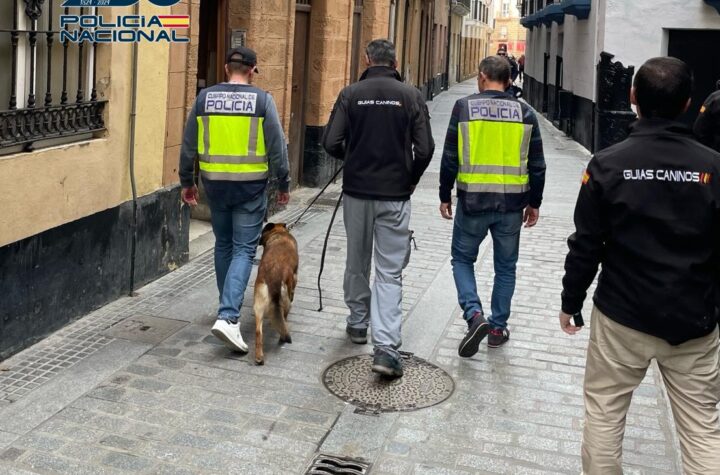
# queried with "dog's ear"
point(268, 227)
point(264, 234)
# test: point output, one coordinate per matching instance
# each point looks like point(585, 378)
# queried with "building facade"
point(507, 30)
point(477, 32)
point(92, 202)
point(580, 64)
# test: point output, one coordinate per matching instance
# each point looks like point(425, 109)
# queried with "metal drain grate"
point(330, 465)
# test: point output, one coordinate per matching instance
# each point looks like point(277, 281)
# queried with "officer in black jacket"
point(707, 124)
point(649, 212)
point(380, 127)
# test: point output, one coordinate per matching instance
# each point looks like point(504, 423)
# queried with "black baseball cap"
point(242, 55)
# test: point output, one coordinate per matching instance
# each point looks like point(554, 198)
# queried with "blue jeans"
point(237, 223)
point(468, 233)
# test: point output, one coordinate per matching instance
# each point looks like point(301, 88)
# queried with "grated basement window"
point(47, 88)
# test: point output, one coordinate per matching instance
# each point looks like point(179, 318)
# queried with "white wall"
point(534, 49)
point(636, 30)
point(581, 53)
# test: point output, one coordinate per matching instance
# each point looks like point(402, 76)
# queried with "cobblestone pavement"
point(140, 386)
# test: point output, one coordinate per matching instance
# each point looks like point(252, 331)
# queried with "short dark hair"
point(662, 87)
point(496, 68)
point(239, 68)
point(381, 53)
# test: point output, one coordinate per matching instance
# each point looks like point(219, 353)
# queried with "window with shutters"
point(47, 88)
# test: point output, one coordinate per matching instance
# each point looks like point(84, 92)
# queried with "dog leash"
point(325, 244)
point(327, 235)
point(332, 180)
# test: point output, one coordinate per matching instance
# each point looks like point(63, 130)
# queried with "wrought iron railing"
point(55, 111)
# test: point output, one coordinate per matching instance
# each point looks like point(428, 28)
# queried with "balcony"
point(551, 13)
point(577, 8)
point(530, 21)
point(714, 3)
point(460, 7)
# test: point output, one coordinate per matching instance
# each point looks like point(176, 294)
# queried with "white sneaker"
point(229, 333)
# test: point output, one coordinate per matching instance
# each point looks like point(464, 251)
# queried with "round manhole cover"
point(423, 384)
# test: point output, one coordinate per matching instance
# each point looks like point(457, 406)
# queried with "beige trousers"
point(617, 360)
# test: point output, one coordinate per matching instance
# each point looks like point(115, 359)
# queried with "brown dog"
point(275, 284)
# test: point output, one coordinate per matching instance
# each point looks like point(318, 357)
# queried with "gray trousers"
point(386, 223)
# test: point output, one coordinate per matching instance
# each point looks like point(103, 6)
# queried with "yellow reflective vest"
point(493, 145)
point(231, 142)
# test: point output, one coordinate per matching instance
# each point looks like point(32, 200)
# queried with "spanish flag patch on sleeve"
point(586, 177)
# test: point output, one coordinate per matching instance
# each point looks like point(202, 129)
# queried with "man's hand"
point(283, 198)
point(190, 195)
point(531, 216)
point(566, 326)
point(446, 210)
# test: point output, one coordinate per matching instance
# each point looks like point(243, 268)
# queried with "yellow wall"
point(57, 185)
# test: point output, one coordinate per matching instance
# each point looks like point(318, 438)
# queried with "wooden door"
point(356, 42)
point(299, 81)
point(222, 39)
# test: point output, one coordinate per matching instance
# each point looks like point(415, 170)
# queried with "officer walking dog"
point(275, 284)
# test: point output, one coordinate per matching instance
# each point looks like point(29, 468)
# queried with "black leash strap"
point(332, 180)
point(322, 258)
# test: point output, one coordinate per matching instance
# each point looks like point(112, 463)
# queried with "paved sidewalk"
point(140, 386)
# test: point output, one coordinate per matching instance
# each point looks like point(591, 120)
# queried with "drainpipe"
point(133, 116)
point(447, 54)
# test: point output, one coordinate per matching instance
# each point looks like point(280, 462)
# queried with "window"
point(48, 91)
point(503, 32)
point(505, 8)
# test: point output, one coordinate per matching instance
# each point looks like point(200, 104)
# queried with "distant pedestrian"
point(707, 125)
point(521, 67)
point(494, 151)
point(648, 213)
point(235, 130)
point(374, 127)
point(502, 51)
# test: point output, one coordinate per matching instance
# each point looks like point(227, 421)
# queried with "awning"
point(714, 3)
point(552, 13)
point(529, 21)
point(577, 8)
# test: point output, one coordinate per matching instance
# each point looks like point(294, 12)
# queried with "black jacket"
point(649, 212)
point(707, 124)
point(374, 126)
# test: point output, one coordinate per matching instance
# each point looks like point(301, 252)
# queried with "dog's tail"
point(278, 307)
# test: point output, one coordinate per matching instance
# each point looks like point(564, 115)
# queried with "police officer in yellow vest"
point(494, 151)
point(235, 131)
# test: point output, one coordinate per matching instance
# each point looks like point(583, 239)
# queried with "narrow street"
point(140, 385)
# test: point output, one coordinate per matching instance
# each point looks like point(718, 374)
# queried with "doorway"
point(212, 46)
point(356, 41)
point(698, 48)
point(299, 81)
point(406, 39)
point(213, 43)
